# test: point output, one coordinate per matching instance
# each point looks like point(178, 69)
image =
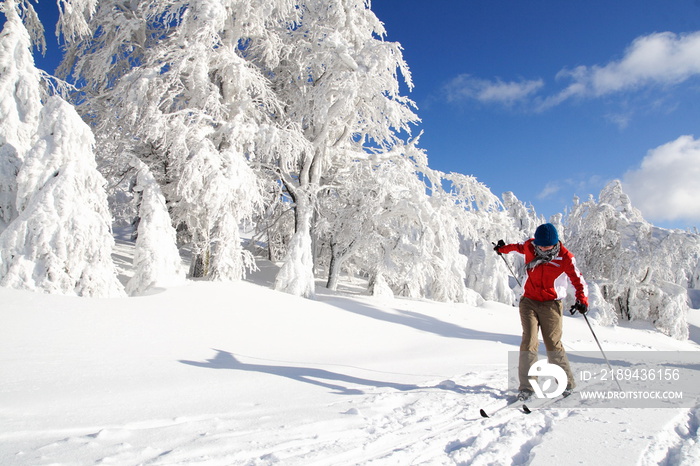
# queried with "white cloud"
point(497, 91)
point(667, 184)
point(549, 190)
point(621, 120)
point(657, 59)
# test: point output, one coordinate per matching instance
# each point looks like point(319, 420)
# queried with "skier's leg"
point(529, 342)
point(551, 316)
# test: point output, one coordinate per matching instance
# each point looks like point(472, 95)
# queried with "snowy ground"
point(237, 374)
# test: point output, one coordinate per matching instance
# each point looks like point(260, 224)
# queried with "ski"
point(536, 404)
point(510, 404)
point(526, 406)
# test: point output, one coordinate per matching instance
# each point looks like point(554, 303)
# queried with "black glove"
point(580, 307)
point(498, 246)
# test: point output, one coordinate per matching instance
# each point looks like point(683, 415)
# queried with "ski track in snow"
point(677, 444)
point(435, 425)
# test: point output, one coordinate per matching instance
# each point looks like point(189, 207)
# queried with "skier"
point(549, 267)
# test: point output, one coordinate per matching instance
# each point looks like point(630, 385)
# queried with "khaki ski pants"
point(546, 315)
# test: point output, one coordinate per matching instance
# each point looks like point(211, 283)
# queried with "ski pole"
point(612, 373)
point(509, 267)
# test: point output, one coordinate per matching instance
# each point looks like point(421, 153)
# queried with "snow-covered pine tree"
point(339, 82)
point(61, 241)
point(156, 258)
point(642, 270)
point(20, 99)
point(59, 233)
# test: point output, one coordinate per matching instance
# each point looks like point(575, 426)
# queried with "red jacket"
point(548, 281)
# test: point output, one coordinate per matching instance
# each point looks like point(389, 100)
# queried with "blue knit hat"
point(546, 235)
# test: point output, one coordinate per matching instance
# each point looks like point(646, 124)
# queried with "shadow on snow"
point(335, 381)
point(421, 322)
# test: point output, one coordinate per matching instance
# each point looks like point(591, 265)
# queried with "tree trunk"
point(296, 275)
point(199, 265)
point(334, 269)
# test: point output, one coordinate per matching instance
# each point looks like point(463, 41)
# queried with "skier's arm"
point(518, 247)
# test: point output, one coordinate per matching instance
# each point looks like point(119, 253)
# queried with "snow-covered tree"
point(61, 241)
point(20, 99)
point(415, 231)
point(339, 81)
point(52, 199)
point(694, 282)
point(73, 17)
point(404, 253)
point(362, 216)
point(525, 218)
point(227, 189)
point(641, 269)
point(156, 258)
point(485, 220)
point(347, 212)
point(184, 68)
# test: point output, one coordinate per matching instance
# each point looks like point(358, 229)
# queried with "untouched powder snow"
point(238, 374)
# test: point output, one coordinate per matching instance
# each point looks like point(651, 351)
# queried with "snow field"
point(237, 374)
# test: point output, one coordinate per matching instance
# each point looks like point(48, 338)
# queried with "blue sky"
point(554, 98)
point(551, 99)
